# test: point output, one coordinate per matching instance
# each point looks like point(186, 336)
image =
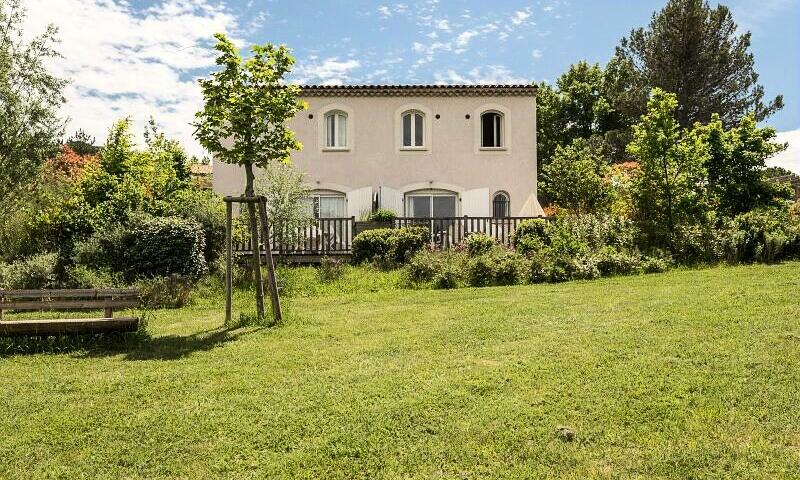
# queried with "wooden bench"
point(79, 299)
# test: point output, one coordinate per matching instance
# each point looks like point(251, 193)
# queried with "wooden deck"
point(333, 237)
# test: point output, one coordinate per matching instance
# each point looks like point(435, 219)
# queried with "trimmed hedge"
point(395, 245)
point(163, 246)
point(382, 215)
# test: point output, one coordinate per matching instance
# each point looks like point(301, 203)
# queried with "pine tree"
point(694, 51)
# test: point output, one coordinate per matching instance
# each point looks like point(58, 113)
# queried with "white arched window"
point(336, 129)
point(328, 204)
point(413, 129)
point(491, 129)
point(431, 203)
point(501, 205)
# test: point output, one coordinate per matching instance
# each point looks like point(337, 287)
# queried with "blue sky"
point(143, 57)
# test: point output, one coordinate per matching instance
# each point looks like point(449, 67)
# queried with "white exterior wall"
point(375, 164)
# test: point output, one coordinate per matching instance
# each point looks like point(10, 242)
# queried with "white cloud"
point(443, 25)
point(430, 49)
point(487, 75)
point(132, 62)
point(385, 11)
point(330, 71)
point(789, 158)
point(536, 53)
point(520, 16)
point(462, 40)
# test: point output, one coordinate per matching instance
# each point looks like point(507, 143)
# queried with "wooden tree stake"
point(272, 284)
point(228, 262)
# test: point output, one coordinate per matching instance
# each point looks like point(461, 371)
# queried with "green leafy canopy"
point(247, 105)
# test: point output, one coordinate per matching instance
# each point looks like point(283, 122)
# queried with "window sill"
point(336, 149)
point(493, 149)
point(413, 149)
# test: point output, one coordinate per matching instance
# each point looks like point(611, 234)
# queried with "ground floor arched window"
point(431, 203)
point(328, 204)
point(501, 205)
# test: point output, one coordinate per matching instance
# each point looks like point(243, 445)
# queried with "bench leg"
point(109, 312)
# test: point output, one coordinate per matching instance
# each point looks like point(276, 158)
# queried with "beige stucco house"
point(420, 150)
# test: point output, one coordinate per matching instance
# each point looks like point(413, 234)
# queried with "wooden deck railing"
point(326, 236)
point(447, 232)
point(334, 236)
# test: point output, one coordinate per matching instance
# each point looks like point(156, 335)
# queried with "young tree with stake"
point(244, 119)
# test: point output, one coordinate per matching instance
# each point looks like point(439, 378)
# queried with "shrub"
point(555, 267)
point(444, 268)
point(208, 210)
point(480, 271)
point(164, 246)
point(372, 244)
point(287, 193)
point(407, 241)
point(611, 261)
point(330, 269)
point(764, 236)
point(479, 244)
point(382, 215)
point(447, 277)
point(585, 268)
point(81, 276)
point(509, 268)
point(597, 230)
point(395, 245)
point(105, 249)
point(541, 268)
point(173, 291)
point(36, 271)
point(692, 244)
point(423, 266)
point(655, 264)
point(500, 267)
point(532, 236)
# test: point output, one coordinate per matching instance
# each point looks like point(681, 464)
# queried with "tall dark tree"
point(29, 99)
point(82, 143)
point(694, 51)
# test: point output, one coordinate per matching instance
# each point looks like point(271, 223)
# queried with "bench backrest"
point(76, 299)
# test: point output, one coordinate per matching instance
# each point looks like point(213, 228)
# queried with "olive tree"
point(287, 194)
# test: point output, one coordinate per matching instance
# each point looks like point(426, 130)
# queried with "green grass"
point(689, 374)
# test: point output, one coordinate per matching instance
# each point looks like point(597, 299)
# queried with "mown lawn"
point(689, 374)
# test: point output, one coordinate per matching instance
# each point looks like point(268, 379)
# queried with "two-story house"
point(419, 150)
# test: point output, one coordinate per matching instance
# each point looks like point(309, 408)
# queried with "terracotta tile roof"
point(519, 90)
point(200, 169)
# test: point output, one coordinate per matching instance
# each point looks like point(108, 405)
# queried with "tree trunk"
point(249, 192)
